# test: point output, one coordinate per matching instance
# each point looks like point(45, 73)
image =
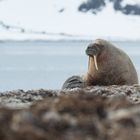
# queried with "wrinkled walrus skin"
point(111, 67)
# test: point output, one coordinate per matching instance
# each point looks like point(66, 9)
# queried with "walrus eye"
point(95, 61)
point(98, 47)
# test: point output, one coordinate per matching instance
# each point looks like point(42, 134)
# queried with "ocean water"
point(35, 65)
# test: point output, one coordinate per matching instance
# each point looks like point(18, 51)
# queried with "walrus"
point(107, 65)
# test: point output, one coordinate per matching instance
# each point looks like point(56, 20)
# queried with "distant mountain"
point(69, 19)
point(96, 6)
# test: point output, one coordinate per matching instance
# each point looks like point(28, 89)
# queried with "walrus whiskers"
point(95, 61)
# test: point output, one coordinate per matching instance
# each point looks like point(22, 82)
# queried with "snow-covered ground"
point(60, 19)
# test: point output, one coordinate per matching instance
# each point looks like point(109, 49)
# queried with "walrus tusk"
point(88, 62)
point(95, 61)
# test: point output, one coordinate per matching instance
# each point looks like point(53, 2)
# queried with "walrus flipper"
point(73, 82)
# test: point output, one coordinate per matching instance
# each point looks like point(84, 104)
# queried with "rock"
point(98, 113)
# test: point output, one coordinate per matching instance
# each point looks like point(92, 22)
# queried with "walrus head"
point(93, 50)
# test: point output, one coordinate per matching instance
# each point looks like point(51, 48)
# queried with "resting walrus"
point(107, 65)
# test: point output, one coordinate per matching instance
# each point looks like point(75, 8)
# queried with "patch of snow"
point(37, 16)
point(131, 2)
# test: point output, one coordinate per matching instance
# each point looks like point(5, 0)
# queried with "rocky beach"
point(100, 113)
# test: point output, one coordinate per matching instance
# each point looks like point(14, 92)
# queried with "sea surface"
point(47, 64)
